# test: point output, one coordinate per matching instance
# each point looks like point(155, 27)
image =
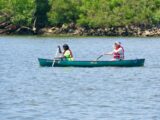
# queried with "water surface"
point(28, 91)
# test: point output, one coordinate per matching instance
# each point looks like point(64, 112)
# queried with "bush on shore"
point(83, 13)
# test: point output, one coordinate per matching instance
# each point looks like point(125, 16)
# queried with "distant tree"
point(41, 19)
point(63, 11)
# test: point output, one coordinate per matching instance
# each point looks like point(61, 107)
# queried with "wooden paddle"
point(103, 55)
point(55, 57)
point(99, 57)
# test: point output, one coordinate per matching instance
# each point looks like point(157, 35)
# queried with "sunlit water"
point(31, 92)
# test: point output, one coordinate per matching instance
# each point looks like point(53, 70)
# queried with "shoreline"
point(77, 31)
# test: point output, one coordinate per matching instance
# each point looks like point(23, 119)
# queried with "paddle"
point(99, 57)
point(55, 57)
point(103, 55)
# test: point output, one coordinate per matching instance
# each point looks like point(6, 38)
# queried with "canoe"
point(64, 63)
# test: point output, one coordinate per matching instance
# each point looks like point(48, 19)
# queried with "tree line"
point(87, 13)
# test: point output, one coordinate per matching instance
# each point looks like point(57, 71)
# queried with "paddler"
point(118, 51)
point(66, 54)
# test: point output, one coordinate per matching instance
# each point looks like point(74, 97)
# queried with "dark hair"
point(65, 47)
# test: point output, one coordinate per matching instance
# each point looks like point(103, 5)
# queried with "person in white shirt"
point(118, 52)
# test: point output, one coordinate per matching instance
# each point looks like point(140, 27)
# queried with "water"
point(31, 92)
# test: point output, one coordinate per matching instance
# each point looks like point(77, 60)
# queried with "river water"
point(31, 92)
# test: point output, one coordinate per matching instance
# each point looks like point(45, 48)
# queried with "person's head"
point(117, 45)
point(65, 47)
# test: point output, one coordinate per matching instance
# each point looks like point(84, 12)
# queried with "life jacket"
point(117, 55)
point(68, 57)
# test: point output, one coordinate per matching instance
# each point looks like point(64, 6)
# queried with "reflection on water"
point(28, 91)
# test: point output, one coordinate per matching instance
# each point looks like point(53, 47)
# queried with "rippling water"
point(31, 92)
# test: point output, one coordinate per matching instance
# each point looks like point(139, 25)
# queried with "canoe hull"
point(121, 63)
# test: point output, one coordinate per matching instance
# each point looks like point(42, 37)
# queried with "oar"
point(54, 58)
point(99, 57)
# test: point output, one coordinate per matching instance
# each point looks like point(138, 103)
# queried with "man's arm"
point(109, 53)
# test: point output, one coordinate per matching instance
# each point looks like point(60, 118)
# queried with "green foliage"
point(20, 11)
point(156, 17)
point(103, 13)
point(63, 11)
point(91, 13)
point(23, 12)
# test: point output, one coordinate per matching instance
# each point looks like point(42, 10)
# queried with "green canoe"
point(63, 63)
